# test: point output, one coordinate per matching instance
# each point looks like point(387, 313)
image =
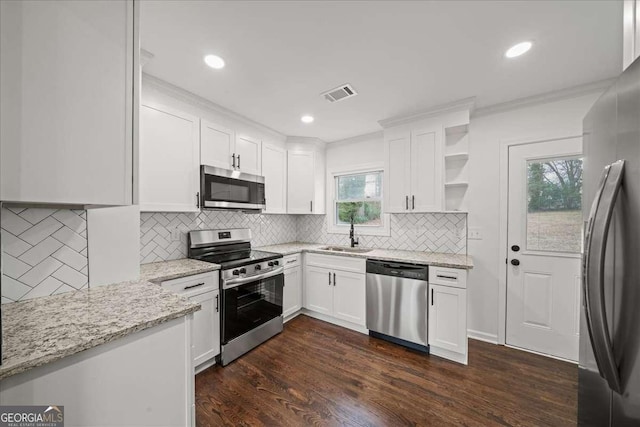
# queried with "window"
point(554, 205)
point(357, 197)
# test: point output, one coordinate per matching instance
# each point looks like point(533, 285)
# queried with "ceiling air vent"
point(340, 93)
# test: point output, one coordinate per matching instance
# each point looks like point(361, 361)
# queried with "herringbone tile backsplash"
point(44, 252)
point(421, 232)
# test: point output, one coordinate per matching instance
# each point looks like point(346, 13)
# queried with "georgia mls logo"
point(32, 416)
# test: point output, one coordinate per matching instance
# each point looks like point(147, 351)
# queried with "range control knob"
point(271, 264)
point(276, 262)
point(243, 270)
point(258, 267)
point(236, 273)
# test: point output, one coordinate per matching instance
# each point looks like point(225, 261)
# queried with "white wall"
point(159, 92)
point(361, 150)
point(487, 133)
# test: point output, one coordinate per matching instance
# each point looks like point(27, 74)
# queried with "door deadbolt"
point(515, 248)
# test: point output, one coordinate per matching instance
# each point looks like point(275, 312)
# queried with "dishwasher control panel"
point(397, 269)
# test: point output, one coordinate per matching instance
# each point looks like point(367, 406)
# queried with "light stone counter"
point(435, 259)
point(167, 270)
point(42, 330)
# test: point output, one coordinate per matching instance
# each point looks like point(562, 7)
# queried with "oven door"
point(222, 188)
point(250, 303)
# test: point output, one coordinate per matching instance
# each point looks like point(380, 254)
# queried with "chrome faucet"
point(354, 241)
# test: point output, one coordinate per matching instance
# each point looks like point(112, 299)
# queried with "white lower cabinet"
point(448, 314)
point(205, 325)
point(337, 292)
point(292, 295)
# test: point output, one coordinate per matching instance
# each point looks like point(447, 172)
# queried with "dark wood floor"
point(315, 373)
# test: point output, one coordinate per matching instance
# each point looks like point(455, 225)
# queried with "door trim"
point(504, 216)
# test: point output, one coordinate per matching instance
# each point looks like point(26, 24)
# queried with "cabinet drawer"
point(444, 276)
point(291, 261)
point(336, 262)
point(192, 285)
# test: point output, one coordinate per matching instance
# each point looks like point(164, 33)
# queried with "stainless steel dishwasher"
point(397, 303)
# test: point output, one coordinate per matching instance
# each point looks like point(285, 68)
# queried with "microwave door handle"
point(593, 272)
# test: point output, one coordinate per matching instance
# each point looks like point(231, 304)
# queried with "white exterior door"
point(426, 171)
point(274, 170)
point(544, 246)
point(300, 182)
point(349, 298)
point(216, 145)
point(398, 172)
point(169, 160)
point(248, 154)
point(318, 290)
point(292, 298)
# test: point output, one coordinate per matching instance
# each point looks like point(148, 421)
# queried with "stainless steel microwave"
point(230, 189)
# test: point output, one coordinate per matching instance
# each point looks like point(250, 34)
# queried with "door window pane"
point(554, 205)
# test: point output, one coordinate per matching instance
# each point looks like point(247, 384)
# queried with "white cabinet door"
point(448, 318)
point(426, 170)
point(274, 170)
point(169, 160)
point(292, 298)
point(67, 101)
point(248, 154)
point(398, 172)
point(318, 290)
point(205, 327)
point(216, 145)
point(349, 298)
point(300, 182)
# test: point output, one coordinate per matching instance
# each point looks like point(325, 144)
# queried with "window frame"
point(363, 230)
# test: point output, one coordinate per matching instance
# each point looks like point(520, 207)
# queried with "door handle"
point(311, 206)
point(329, 278)
point(515, 262)
point(194, 286)
point(234, 160)
point(431, 296)
point(593, 265)
point(238, 161)
point(198, 200)
point(407, 202)
point(334, 279)
point(413, 202)
point(217, 300)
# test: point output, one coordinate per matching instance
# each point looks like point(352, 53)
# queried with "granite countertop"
point(436, 259)
point(42, 330)
point(166, 270)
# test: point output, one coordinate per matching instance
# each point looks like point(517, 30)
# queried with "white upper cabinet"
point(630, 32)
point(248, 154)
point(67, 101)
point(274, 170)
point(222, 147)
point(169, 160)
point(300, 188)
point(216, 145)
point(413, 164)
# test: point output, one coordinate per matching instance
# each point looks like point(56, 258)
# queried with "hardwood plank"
point(315, 373)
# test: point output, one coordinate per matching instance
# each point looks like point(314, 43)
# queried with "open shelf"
point(456, 165)
point(457, 156)
point(456, 184)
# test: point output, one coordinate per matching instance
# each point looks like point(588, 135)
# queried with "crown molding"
point(192, 98)
point(379, 134)
point(450, 107)
point(558, 95)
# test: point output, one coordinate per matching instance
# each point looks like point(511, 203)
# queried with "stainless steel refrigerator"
point(609, 370)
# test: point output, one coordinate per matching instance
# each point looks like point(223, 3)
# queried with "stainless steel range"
point(251, 285)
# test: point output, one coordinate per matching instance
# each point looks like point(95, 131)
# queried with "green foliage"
point(554, 185)
point(361, 212)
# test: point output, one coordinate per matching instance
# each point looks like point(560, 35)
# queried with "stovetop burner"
point(239, 259)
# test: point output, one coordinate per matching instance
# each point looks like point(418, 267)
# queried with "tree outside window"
point(359, 199)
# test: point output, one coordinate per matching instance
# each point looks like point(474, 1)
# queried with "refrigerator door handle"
point(593, 272)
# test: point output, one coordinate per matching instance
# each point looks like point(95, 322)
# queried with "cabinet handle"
point(431, 296)
point(334, 279)
point(311, 206)
point(413, 202)
point(193, 286)
point(329, 278)
point(217, 297)
point(234, 160)
point(238, 161)
point(407, 202)
point(447, 277)
point(198, 200)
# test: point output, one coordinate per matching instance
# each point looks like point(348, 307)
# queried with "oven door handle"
point(227, 284)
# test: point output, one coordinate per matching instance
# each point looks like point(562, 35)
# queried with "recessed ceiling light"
point(307, 119)
point(214, 61)
point(518, 49)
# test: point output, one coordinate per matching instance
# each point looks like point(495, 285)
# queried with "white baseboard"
point(335, 321)
point(205, 365)
point(292, 316)
point(449, 355)
point(482, 336)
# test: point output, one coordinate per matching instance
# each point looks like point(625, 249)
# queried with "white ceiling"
point(401, 57)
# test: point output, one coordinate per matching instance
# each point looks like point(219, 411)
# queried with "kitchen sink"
point(346, 249)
